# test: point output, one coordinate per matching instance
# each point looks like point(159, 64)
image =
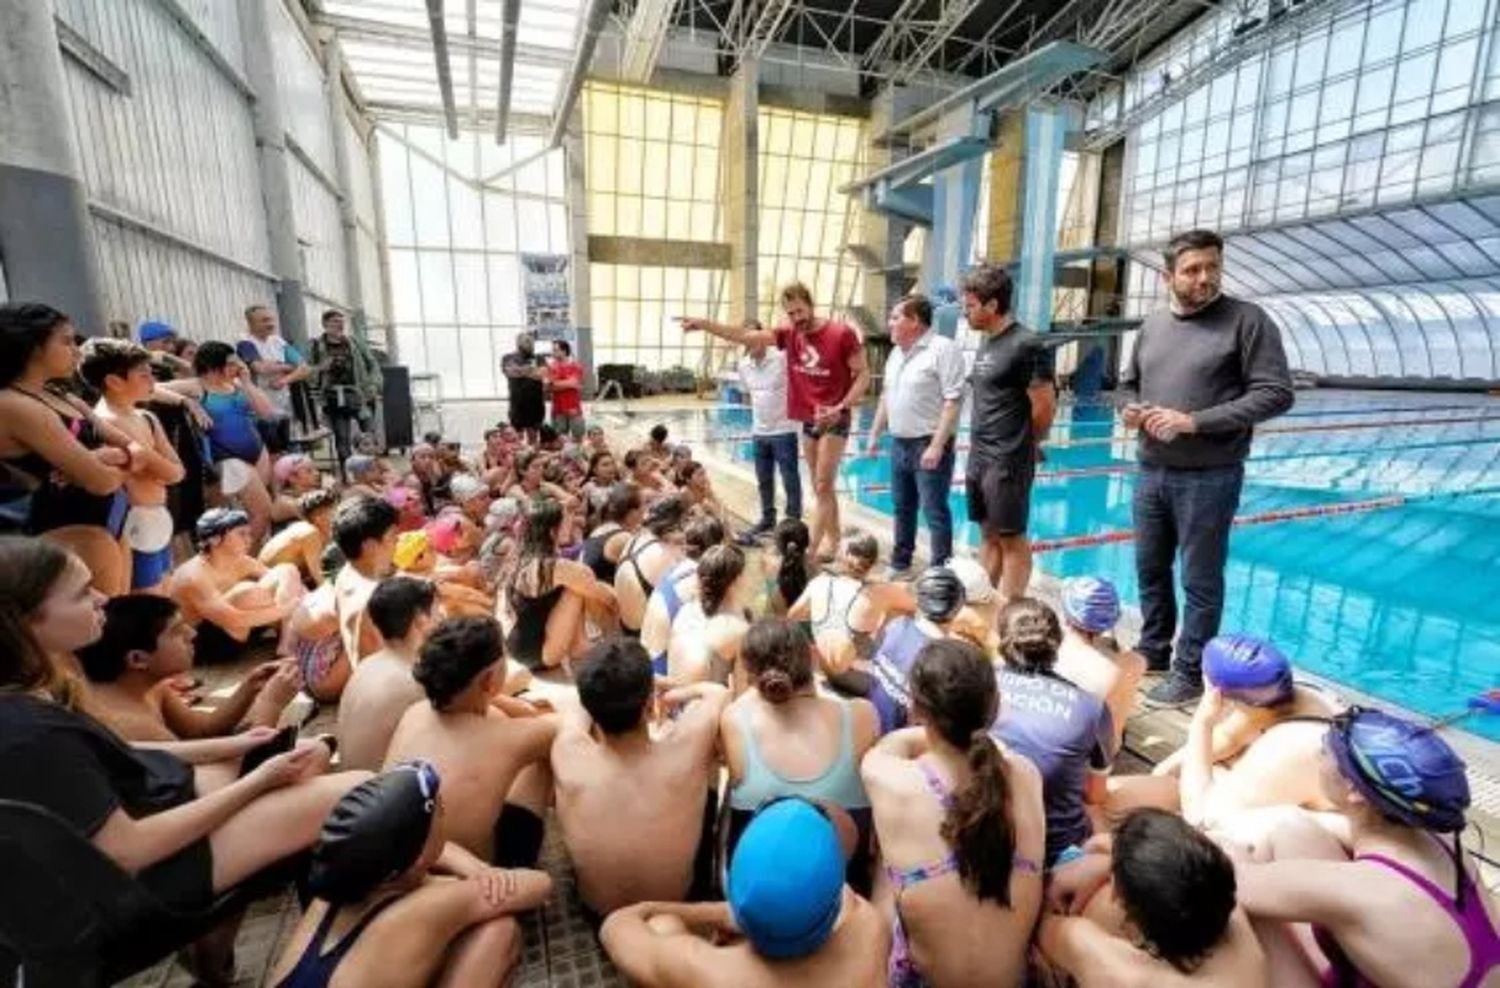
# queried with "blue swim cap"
point(786, 879)
point(150, 332)
point(1090, 604)
point(1405, 770)
point(1248, 670)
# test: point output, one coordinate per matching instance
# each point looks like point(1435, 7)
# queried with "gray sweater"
point(1224, 364)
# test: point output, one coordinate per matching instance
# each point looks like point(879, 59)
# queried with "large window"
point(653, 176)
point(804, 220)
point(459, 215)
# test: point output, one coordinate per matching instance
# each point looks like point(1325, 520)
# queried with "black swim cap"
point(218, 521)
point(940, 594)
point(376, 832)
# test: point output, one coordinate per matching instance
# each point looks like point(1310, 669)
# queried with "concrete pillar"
point(343, 170)
point(275, 169)
point(1003, 237)
point(955, 200)
point(1045, 129)
point(579, 300)
point(46, 240)
point(740, 154)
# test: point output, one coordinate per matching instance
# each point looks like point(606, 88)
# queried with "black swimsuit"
point(529, 634)
point(315, 969)
point(594, 558)
point(55, 502)
point(647, 587)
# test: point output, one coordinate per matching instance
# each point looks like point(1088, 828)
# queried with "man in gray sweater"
point(1203, 373)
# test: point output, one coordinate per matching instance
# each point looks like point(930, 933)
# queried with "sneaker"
point(1177, 690)
point(753, 534)
point(899, 574)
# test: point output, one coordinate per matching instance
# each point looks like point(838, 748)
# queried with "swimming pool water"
point(1402, 603)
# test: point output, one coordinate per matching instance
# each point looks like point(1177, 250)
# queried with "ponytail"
point(953, 688)
point(719, 568)
point(792, 539)
point(978, 826)
point(775, 686)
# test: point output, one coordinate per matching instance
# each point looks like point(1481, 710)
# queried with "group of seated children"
point(762, 773)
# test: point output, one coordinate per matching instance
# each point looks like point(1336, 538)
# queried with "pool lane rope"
point(1112, 440)
point(1326, 510)
point(1110, 469)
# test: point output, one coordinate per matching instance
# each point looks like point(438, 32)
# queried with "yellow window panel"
point(684, 122)
point(632, 154)
point(628, 216)
point(653, 218)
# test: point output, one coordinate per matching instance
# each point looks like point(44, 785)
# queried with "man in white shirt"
point(276, 366)
point(763, 371)
point(923, 393)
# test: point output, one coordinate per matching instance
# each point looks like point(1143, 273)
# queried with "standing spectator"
point(762, 369)
point(924, 390)
point(528, 403)
point(826, 377)
point(565, 376)
point(276, 366)
point(1203, 372)
point(1014, 401)
point(349, 377)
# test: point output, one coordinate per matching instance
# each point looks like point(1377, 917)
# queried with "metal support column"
point(580, 301)
point(275, 169)
point(955, 202)
point(46, 240)
point(338, 115)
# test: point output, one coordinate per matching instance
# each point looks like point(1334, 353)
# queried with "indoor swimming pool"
point(1368, 544)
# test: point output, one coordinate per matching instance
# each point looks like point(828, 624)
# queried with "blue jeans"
point(912, 486)
point(774, 453)
point(1190, 511)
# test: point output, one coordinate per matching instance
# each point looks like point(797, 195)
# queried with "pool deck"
point(561, 951)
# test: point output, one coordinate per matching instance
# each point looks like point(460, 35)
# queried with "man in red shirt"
point(565, 377)
point(826, 377)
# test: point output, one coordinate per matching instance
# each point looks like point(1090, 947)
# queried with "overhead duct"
point(510, 17)
point(444, 70)
point(582, 56)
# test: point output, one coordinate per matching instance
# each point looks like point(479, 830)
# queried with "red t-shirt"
point(570, 401)
point(817, 366)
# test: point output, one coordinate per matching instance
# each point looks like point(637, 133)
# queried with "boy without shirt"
point(146, 642)
point(495, 763)
point(121, 372)
point(631, 794)
point(402, 608)
point(302, 542)
point(364, 529)
point(225, 592)
point(790, 921)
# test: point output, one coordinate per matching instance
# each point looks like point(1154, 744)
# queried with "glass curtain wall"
point(804, 220)
point(459, 215)
point(653, 175)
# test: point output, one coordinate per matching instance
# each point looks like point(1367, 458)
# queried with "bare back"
point(373, 702)
point(647, 559)
point(632, 812)
point(478, 757)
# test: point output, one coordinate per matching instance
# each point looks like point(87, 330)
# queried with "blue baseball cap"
point(150, 332)
point(786, 879)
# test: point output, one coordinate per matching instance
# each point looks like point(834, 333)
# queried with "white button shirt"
point(766, 382)
point(918, 381)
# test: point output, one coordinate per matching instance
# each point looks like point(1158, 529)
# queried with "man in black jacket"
point(1203, 373)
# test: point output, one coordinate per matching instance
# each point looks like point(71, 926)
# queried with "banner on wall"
point(544, 280)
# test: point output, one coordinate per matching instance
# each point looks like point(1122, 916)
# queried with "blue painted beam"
point(923, 164)
point(910, 202)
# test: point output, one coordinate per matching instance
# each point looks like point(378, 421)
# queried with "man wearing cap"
point(790, 921)
point(158, 338)
point(225, 591)
point(921, 398)
point(276, 366)
point(1204, 372)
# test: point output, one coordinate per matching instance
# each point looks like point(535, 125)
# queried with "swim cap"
point(442, 533)
point(466, 487)
point(786, 879)
point(150, 332)
point(1248, 670)
point(289, 463)
point(1405, 770)
point(940, 594)
point(399, 497)
point(1090, 604)
point(503, 512)
point(374, 833)
point(217, 521)
point(977, 586)
point(409, 548)
point(359, 465)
